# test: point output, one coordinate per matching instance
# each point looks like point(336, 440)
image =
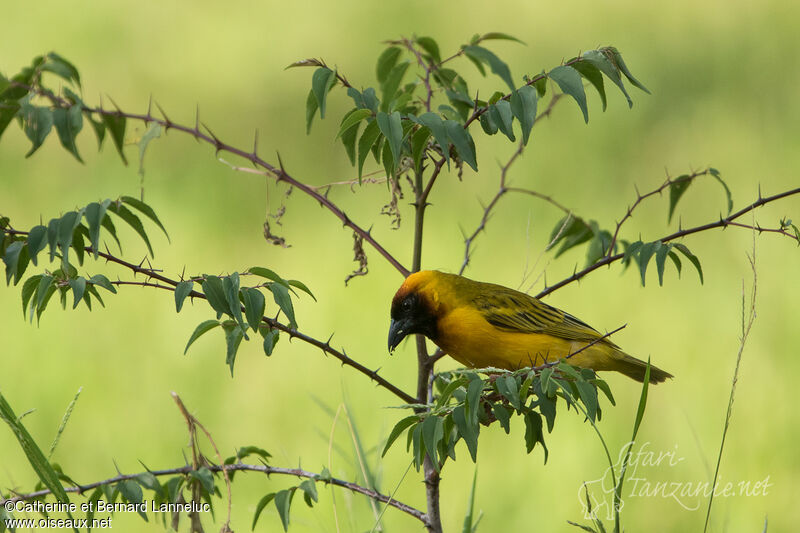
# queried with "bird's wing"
point(514, 311)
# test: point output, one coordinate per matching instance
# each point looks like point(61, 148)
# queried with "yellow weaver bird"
point(487, 325)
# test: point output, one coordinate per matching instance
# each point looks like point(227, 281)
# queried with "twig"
point(278, 173)
point(641, 197)
point(264, 469)
point(294, 333)
point(721, 223)
point(488, 209)
point(576, 352)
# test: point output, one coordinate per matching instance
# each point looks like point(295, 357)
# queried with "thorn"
point(255, 148)
point(167, 122)
point(119, 111)
point(217, 143)
point(149, 108)
point(280, 163)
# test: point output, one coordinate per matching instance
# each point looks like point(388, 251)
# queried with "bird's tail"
point(635, 369)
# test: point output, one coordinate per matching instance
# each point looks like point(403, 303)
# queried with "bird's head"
point(413, 309)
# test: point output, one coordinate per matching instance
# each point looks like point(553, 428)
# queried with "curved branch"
point(265, 469)
point(293, 333)
point(721, 223)
point(279, 173)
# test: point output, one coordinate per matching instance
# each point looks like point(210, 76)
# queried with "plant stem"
point(424, 363)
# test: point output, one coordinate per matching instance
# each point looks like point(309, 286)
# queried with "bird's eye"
point(407, 305)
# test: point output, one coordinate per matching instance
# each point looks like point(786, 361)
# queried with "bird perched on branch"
point(487, 325)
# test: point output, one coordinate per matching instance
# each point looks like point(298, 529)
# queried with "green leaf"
point(661, 259)
point(570, 83)
point(676, 190)
point(478, 53)
point(263, 502)
point(507, 386)
point(691, 257)
point(588, 394)
point(523, 106)
point(116, 127)
point(281, 296)
point(430, 47)
point(11, 258)
point(28, 290)
point(270, 338)
point(468, 431)
point(488, 124)
point(309, 488)
point(133, 221)
point(36, 458)
point(602, 62)
point(462, 141)
point(570, 231)
point(397, 430)
point(205, 477)
point(392, 129)
point(269, 274)
point(503, 415)
point(474, 390)
point(182, 290)
point(645, 253)
point(233, 338)
point(107, 223)
point(66, 227)
point(38, 121)
point(283, 501)
point(153, 132)
point(714, 172)
point(432, 432)
point(533, 432)
point(351, 119)
point(496, 35)
point(254, 306)
point(202, 328)
point(37, 240)
point(321, 82)
point(365, 143)
point(311, 109)
point(392, 83)
point(102, 281)
point(215, 294)
point(386, 62)
point(230, 285)
point(503, 117)
point(435, 124)
point(78, 286)
point(302, 286)
point(68, 123)
point(58, 65)
point(7, 113)
point(349, 142)
point(130, 490)
point(624, 68)
point(145, 209)
point(593, 75)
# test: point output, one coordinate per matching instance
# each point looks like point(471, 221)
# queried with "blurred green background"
point(724, 79)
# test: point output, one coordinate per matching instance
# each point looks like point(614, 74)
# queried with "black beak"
point(397, 332)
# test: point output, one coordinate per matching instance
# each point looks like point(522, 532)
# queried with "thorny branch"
point(293, 333)
point(503, 189)
point(279, 173)
point(264, 469)
point(641, 197)
point(721, 223)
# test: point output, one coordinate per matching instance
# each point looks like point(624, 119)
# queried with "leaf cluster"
point(403, 123)
point(464, 401)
